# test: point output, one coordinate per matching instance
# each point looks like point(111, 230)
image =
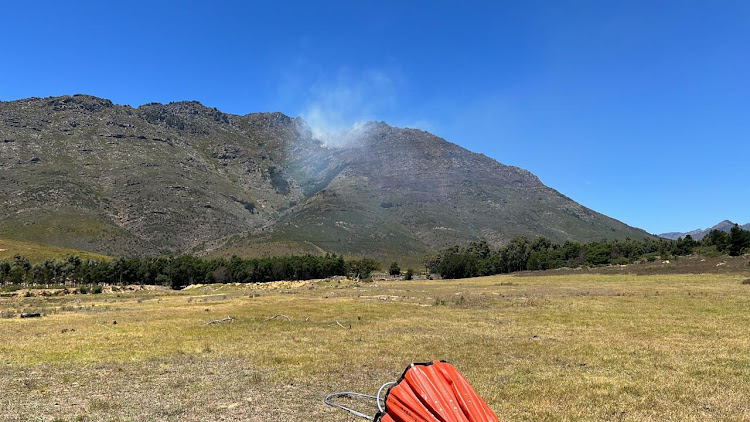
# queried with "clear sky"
point(637, 109)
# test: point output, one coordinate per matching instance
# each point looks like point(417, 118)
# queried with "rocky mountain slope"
point(699, 234)
point(82, 172)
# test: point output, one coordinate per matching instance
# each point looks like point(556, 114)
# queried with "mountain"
point(81, 172)
point(699, 234)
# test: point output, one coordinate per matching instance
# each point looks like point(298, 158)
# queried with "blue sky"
point(637, 109)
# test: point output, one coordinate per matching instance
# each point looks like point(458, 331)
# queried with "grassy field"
point(547, 347)
point(37, 252)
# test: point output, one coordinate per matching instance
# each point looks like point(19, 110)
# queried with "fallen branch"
point(280, 316)
point(216, 321)
point(339, 324)
point(31, 315)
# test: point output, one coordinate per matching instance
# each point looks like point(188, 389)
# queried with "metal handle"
point(350, 394)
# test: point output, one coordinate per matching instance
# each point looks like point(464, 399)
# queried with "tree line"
point(475, 259)
point(180, 271)
point(540, 253)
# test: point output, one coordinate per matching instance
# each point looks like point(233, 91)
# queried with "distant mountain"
point(698, 234)
point(85, 173)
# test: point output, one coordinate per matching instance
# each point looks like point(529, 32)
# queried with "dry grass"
point(572, 347)
point(37, 252)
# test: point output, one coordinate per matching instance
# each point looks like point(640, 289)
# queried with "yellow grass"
point(574, 347)
point(36, 252)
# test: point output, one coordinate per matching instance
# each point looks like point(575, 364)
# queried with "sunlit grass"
point(581, 347)
point(37, 252)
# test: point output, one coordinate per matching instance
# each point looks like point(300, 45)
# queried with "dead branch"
point(279, 316)
point(339, 324)
point(216, 321)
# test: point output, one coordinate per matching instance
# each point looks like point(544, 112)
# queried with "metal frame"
point(351, 394)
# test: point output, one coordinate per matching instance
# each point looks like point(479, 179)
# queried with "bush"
point(746, 281)
point(707, 251)
point(278, 182)
point(621, 261)
point(409, 274)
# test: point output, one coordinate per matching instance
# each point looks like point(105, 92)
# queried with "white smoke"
point(337, 108)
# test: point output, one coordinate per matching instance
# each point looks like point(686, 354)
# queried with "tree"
point(599, 253)
point(461, 265)
point(394, 269)
point(717, 238)
point(540, 244)
point(362, 268)
point(409, 274)
point(685, 246)
point(517, 253)
point(4, 270)
point(738, 240)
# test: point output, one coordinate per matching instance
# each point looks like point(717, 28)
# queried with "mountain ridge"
point(80, 171)
point(698, 234)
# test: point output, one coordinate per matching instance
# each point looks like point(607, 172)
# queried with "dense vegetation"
point(521, 253)
point(475, 259)
point(179, 271)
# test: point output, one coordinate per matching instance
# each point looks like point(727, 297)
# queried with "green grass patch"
point(37, 252)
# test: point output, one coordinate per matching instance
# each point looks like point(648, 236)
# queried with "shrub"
point(746, 281)
point(621, 261)
point(707, 251)
point(409, 274)
point(278, 182)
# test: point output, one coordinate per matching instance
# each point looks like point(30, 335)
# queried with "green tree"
point(717, 238)
point(517, 253)
point(362, 268)
point(394, 269)
point(460, 265)
point(738, 240)
point(599, 253)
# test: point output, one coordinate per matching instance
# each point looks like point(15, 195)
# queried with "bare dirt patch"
point(185, 388)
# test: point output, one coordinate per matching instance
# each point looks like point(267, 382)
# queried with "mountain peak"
point(724, 226)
